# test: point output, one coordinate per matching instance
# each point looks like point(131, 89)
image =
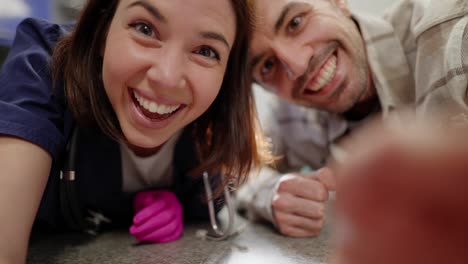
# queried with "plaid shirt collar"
point(392, 75)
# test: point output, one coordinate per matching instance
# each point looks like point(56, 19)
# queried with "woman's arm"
point(24, 169)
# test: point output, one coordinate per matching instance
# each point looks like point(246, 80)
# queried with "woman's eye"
point(294, 23)
point(143, 28)
point(267, 67)
point(209, 53)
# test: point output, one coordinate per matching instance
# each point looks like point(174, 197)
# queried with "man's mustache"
point(317, 58)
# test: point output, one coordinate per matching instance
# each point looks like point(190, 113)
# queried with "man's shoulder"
point(425, 14)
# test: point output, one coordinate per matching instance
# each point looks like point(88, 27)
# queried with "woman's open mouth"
point(152, 110)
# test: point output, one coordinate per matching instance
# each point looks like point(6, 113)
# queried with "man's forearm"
point(255, 195)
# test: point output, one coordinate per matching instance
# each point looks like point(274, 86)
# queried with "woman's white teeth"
point(325, 75)
point(154, 107)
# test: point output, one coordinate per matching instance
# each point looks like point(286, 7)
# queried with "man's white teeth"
point(154, 107)
point(325, 75)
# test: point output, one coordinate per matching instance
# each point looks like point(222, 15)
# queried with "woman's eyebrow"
point(215, 36)
point(157, 14)
point(150, 8)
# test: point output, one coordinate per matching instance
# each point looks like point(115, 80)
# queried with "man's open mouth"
point(324, 77)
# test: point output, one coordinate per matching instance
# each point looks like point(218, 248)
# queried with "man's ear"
point(344, 6)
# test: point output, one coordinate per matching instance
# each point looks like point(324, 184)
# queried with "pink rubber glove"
point(158, 217)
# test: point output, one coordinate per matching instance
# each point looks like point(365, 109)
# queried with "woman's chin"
point(145, 148)
point(144, 144)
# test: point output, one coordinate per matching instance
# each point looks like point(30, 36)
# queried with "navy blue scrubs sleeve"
point(30, 108)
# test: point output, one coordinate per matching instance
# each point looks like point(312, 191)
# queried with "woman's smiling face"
point(164, 63)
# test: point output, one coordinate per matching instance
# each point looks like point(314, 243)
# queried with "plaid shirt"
point(418, 55)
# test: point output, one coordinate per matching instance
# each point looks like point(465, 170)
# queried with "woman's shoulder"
point(30, 53)
point(38, 31)
point(32, 47)
point(43, 29)
point(31, 109)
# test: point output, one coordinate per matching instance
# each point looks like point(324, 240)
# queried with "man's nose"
point(295, 60)
point(167, 69)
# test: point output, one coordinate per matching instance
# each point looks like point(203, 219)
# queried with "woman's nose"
point(167, 69)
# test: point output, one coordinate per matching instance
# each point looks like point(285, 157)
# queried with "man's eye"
point(209, 53)
point(143, 28)
point(294, 23)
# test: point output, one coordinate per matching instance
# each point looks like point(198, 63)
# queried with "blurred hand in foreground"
point(402, 196)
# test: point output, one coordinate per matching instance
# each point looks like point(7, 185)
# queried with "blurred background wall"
point(372, 6)
point(65, 10)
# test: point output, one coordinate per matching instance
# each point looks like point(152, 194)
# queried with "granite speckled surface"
point(257, 243)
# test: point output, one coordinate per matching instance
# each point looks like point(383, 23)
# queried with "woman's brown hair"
point(227, 136)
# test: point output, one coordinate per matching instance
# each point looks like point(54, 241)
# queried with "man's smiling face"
point(310, 52)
